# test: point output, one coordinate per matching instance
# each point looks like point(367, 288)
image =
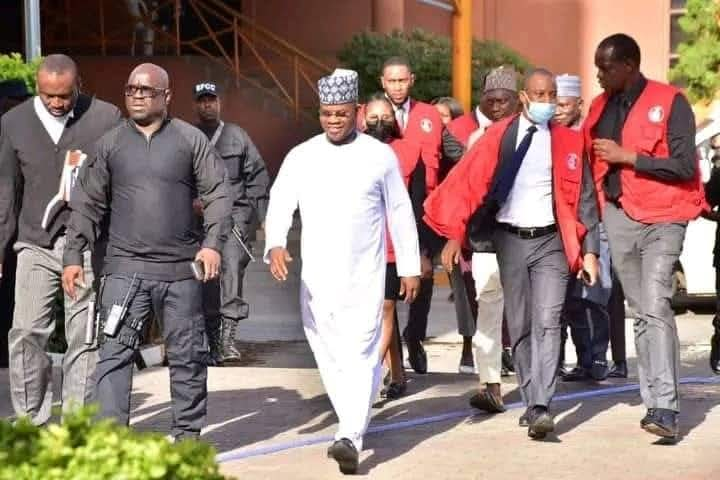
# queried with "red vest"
point(450, 206)
point(424, 129)
point(644, 198)
point(408, 155)
point(462, 127)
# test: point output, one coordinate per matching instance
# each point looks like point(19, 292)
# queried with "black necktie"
point(508, 172)
point(613, 185)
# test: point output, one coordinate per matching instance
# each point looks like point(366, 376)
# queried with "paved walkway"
point(276, 402)
point(261, 413)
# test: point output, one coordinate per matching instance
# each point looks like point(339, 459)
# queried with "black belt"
point(528, 232)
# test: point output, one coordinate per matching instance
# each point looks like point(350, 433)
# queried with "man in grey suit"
point(44, 141)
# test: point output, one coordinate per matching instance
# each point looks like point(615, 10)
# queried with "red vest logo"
point(656, 114)
point(572, 161)
point(426, 125)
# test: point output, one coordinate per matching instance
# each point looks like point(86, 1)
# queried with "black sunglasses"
point(143, 91)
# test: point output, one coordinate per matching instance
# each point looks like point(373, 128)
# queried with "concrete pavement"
point(275, 403)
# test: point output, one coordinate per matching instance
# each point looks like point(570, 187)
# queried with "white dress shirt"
point(482, 120)
point(530, 201)
point(483, 124)
point(53, 125)
point(401, 113)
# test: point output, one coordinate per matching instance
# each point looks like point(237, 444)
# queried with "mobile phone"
point(198, 270)
point(586, 277)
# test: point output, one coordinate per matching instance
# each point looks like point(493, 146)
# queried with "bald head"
point(58, 63)
point(537, 73)
point(57, 84)
point(147, 95)
point(156, 76)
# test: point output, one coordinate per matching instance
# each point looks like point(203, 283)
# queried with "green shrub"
point(13, 67)
point(84, 449)
point(430, 56)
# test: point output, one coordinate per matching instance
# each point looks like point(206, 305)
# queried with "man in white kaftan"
point(349, 189)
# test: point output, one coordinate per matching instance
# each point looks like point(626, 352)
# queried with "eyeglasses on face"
point(143, 91)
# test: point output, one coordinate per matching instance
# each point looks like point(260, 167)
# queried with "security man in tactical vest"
point(640, 137)
point(248, 183)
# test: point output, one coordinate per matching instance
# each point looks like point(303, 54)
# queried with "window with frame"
point(677, 10)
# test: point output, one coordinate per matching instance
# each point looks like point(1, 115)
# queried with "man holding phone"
point(525, 187)
point(144, 178)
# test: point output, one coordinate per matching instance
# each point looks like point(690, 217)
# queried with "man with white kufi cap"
point(349, 189)
point(594, 313)
point(569, 101)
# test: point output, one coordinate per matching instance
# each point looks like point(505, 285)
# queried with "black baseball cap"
point(205, 88)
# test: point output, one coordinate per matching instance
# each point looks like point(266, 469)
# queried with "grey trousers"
point(183, 329)
point(38, 284)
point(534, 274)
point(643, 256)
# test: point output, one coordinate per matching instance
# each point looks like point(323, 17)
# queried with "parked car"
point(694, 279)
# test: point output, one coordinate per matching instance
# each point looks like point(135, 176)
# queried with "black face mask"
point(383, 130)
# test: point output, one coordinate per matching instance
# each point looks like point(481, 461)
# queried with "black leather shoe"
point(715, 347)
point(345, 454)
point(648, 417)
point(541, 423)
point(577, 374)
point(662, 423)
point(394, 390)
point(599, 370)
point(618, 370)
point(417, 356)
point(487, 402)
point(524, 420)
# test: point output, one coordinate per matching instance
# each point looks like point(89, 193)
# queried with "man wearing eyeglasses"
point(145, 175)
point(43, 141)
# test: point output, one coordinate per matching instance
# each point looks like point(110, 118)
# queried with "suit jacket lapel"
point(81, 107)
point(507, 147)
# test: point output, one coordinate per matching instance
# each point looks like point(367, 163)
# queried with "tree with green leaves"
point(430, 56)
point(699, 55)
point(13, 67)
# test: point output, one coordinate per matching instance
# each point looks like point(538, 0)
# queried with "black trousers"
point(717, 290)
point(589, 329)
point(223, 298)
point(179, 304)
point(416, 328)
